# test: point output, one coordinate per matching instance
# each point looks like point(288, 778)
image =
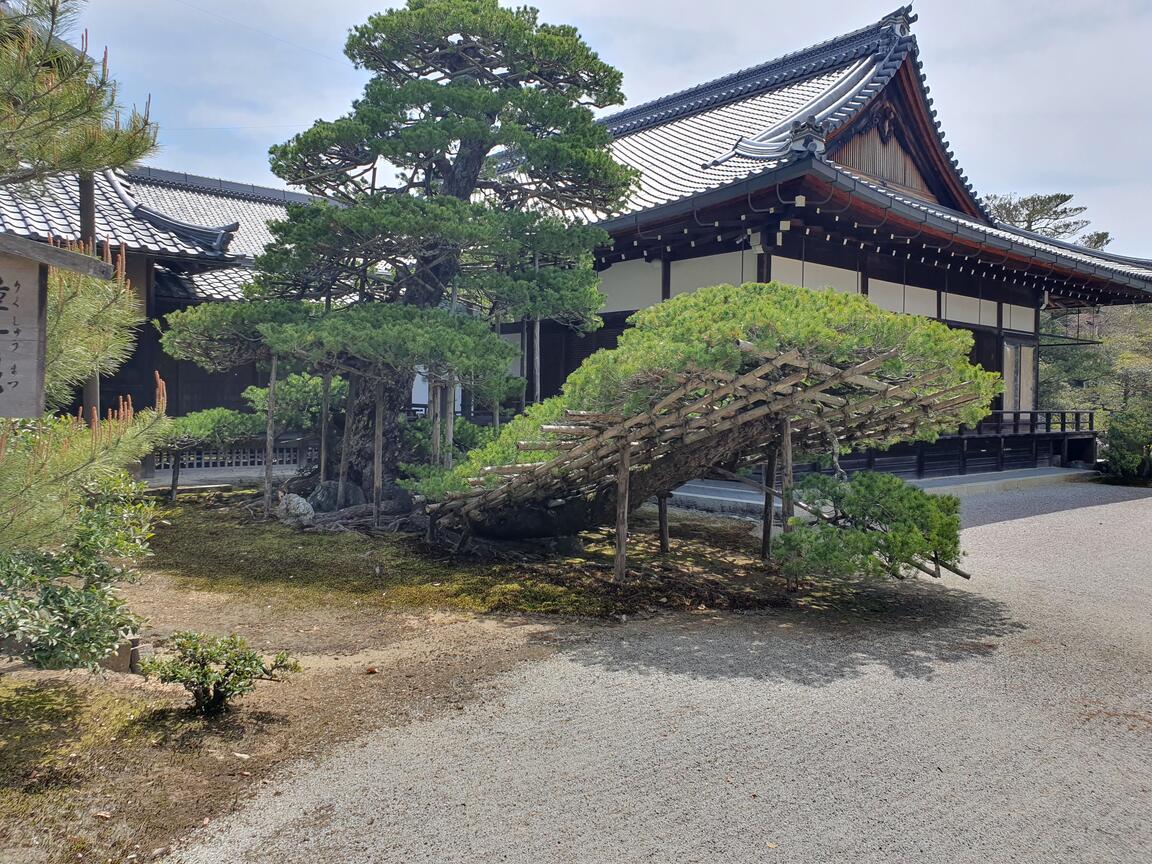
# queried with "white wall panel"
point(729, 268)
point(1021, 318)
point(886, 295)
point(919, 301)
point(988, 313)
point(630, 285)
point(958, 307)
point(808, 274)
point(514, 367)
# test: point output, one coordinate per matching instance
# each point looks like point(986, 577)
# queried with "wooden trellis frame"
point(708, 419)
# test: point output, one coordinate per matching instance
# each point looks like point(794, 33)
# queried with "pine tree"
point(60, 112)
point(453, 182)
point(69, 515)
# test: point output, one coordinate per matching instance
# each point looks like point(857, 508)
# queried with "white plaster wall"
point(514, 368)
point(808, 274)
point(1021, 318)
point(918, 301)
point(958, 307)
point(886, 295)
point(729, 268)
point(630, 285)
point(988, 312)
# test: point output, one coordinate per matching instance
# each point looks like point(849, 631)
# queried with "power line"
point(234, 22)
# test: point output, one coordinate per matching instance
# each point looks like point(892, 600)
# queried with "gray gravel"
point(1009, 720)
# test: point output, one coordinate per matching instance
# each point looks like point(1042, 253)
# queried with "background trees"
point(1113, 376)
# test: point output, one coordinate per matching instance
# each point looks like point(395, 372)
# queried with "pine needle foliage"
point(92, 328)
point(61, 114)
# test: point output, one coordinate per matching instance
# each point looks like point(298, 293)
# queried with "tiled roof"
point(1099, 260)
point(208, 201)
point(50, 210)
point(739, 125)
point(227, 283)
point(153, 211)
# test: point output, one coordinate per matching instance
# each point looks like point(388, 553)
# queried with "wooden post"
point(536, 396)
point(662, 511)
point(434, 414)
point(86, 189)
point(176, 456)
point(325, 407)
point(622, 511)
point(270, 439)
point(378, 453)
point(769, 480)
point(787, 508)
point(346, 444)
point(450, 421)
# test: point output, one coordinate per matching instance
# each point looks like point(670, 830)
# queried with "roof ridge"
point(768, 75)
point(217, 185)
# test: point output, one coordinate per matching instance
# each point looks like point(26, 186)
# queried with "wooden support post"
point(622, 511)
point(662, 512)
point(270, 439)
point(449, 421)
point(325, 408)
point(346, 444)
point(177, 457)
point(769, 479)
point(434, 416)
point(787, 508)
point(536, 395)
point(378, 454)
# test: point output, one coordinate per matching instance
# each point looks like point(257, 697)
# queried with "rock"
point(323, 497)
point(293, 508)
point(141, 653)
point(394, 499)
point(119, 660)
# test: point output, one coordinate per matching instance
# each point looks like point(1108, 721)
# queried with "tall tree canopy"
point(457, 179)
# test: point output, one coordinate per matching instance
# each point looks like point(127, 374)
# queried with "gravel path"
point(1009, 720)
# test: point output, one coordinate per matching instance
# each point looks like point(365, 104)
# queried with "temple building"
point(827, 168)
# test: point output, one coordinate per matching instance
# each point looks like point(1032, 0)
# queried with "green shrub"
point(216, 670)
point(878, 526)
point(1128, 444)
point(59, 607)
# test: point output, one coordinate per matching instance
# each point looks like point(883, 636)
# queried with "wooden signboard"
point(23, 325)
point(23, 317)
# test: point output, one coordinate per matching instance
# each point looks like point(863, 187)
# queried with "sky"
point(1034, 95)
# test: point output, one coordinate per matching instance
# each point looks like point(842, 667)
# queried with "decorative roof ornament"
point(808, 136)
point(901, 20)
point(215, 239)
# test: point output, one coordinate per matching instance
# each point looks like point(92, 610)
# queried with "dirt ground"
point(112, 768)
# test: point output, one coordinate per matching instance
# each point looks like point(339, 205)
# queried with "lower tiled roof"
point(227, 283)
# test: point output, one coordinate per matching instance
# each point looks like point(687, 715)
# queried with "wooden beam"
point(54, 256)
point(768, 475)
point(787, 480)
point(662, 514)
point(622, 467)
